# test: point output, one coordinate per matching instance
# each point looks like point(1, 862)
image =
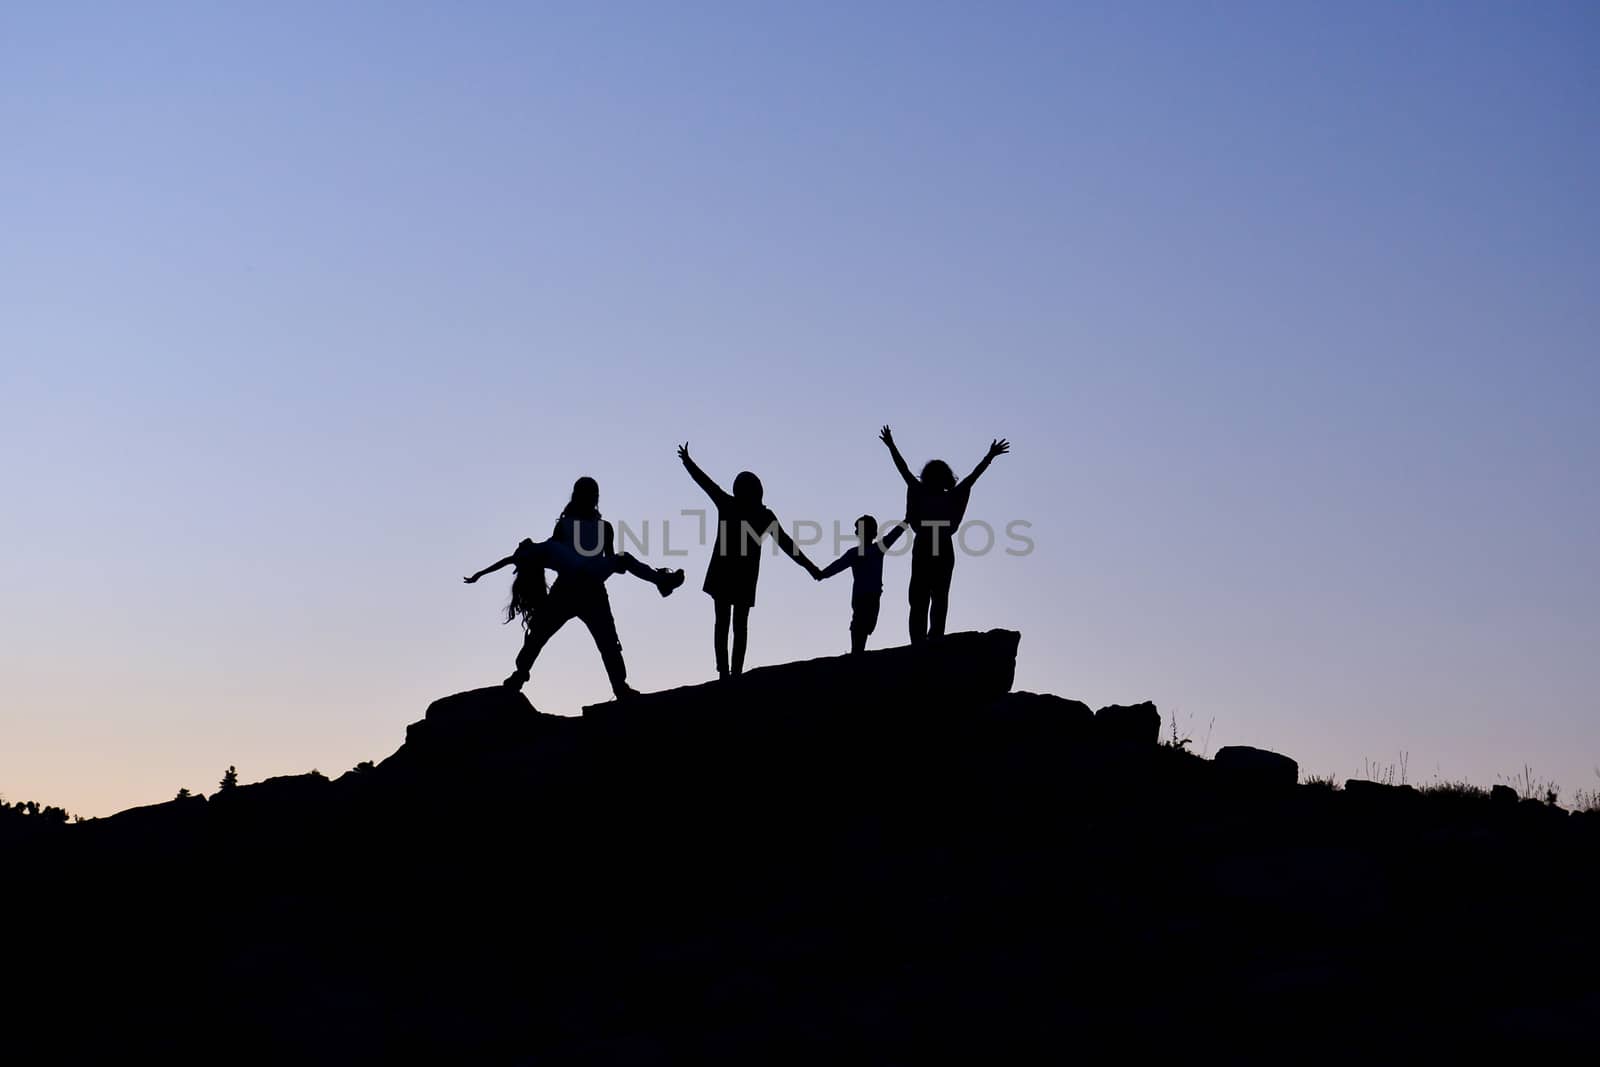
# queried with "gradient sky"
point(1289, 310)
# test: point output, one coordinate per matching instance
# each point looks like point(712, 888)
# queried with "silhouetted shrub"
point(32, 809)
point(1460, 789)
point(230, 780)
point(1587, 799)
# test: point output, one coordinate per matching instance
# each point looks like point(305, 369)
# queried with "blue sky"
point(1289, 311)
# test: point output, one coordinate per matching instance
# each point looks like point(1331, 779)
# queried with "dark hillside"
point(888, 858)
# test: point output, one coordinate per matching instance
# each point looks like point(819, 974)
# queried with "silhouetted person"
point(743, 522)
point(865, 563)
point(582, 550)
point(935, 506)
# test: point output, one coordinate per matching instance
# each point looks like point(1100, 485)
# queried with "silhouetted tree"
point(183, 794)
point(230, 780)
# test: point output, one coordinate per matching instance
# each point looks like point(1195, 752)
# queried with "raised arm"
point(490, 569)
point(888, 539)
point(998, 447)
point(701, 478)
point(887, 438)
point(786, 543)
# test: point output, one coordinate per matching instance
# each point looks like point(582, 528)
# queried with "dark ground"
point(880, 859)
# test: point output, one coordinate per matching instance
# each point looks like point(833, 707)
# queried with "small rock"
point(1258, 766)
point(1072, 717)
point(1138, 724)
point(477, 710)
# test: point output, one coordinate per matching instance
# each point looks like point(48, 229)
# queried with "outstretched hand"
point(999, 447)
point(469, 581)
point(886, 436)
point(683, 451)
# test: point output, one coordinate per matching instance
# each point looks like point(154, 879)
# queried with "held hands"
point(998, 447)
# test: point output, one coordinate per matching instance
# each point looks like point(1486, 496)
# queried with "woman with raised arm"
point(935, 506)
point(743, 523)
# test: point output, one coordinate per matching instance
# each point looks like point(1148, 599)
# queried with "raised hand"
point(469, 581)
point(683, 451)
point(887, 437)
point(999, 447)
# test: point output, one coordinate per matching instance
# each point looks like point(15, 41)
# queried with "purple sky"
point(1290, 312)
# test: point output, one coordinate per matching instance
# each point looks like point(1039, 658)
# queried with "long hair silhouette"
point(937, 476)
point(528, 592)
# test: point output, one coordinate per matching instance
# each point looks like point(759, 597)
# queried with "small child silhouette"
point(935, 506)
point(865, 563)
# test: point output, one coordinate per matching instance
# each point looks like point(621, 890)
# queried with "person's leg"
point(939, 600)
point(596, 615)
point(547, 619)
point(663, 579)
point(863, 620)
point(719, 634)
point(627, 561)
point(919, 594)
point(741, 627)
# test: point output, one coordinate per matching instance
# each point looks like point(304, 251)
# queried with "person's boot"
point(517, 680)
point(667, 581)
point(622, 691)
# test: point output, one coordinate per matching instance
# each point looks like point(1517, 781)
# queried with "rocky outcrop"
point(910, 684)
point(495, 715)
